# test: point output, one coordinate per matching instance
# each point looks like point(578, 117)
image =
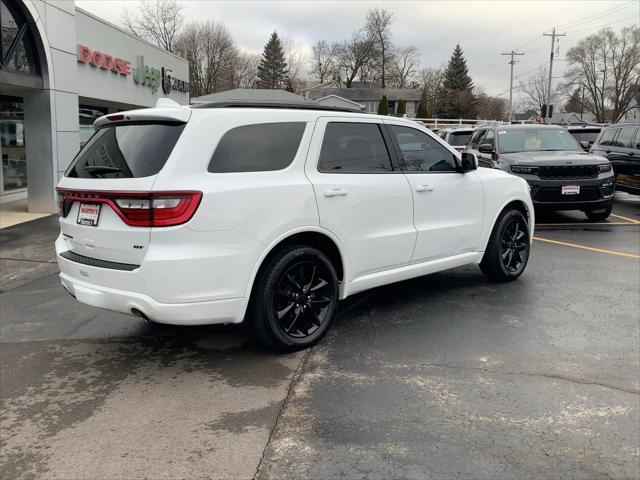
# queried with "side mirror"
point(468, 162)
point(585, 144)
point(485, 148)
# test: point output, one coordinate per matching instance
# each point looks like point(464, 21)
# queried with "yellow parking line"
point(636, 222)
point(582, 223)
point(584, 247)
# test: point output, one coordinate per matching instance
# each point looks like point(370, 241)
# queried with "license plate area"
point(88, 214)
point(570, 190)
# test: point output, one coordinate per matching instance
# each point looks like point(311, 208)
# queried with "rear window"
point(585, 135)
point(257, 148)
point(126, 151)
point(459, 138)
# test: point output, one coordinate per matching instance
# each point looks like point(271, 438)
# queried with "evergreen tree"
point(402, 107)
point(458, 85)
point(383, 106)
point(272, 71)
point(423, 109)
point(289, 87)
point(575, 102)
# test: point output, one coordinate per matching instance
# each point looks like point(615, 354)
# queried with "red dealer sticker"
point(103, 60)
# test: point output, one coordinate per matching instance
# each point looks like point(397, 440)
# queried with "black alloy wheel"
point(514, 245)
point(507, 252)
point(302, 298)
point(294, 298)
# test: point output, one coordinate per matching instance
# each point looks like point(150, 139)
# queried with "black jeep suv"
point(561, 175)
point(620, 144)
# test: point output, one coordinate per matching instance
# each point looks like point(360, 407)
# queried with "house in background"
point(369, 98)
point(253, 95)
point(337, 101)
point(558, 118)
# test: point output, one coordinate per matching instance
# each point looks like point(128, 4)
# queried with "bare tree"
point(607, 66)
point(157, 21)
point(431, 81)
point(378, 28)
point(403, 66)
point(245, 70)
point(212, 55)
point(534, 89)
point(352, 55)
point(323, 61)
point(490, 108)
point(295, 60)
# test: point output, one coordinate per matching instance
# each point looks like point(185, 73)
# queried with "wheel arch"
point(317, 237)
point(517, 204)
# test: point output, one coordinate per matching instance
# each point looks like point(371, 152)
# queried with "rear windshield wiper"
point(101, 169)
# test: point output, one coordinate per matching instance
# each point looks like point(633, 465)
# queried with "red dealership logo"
point(103, 60)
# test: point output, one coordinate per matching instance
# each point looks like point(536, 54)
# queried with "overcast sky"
point(484, 29)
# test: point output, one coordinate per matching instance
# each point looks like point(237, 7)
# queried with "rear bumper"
point(197, 313)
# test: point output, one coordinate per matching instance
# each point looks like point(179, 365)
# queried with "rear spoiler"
point(162, 112)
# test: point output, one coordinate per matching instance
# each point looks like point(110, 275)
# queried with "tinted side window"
point(421, 153)
point(353, 148)
point(126, 151)
point(625, 137)
point(257, 148)
point(474, 140)
point(490, 138)
point(607, 136)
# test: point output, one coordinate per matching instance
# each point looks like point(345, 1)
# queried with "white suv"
point(220, 212)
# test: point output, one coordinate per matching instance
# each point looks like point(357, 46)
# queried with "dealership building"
point(60, 69)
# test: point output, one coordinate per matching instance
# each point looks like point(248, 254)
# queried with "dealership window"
point(87, 115)
point(12, 141)
point(17, 47)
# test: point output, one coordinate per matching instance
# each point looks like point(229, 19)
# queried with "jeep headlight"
point(523, 169)
point(604, 167)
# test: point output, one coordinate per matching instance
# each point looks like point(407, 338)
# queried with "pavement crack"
point(294, 378)
point(28, 282)
point(535, 374)
point(28, 260)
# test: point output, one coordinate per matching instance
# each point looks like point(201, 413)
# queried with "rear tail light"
point(138, 209)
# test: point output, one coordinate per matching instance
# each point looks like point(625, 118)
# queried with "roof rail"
point(274, 105)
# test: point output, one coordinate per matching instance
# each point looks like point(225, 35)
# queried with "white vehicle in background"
point(275, 212)
point(458, 138)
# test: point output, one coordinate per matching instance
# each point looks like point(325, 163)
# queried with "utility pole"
point(512, 63)
point(553, 36)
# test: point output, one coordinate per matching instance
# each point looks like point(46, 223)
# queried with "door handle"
point(336, 192)
point(424, 188)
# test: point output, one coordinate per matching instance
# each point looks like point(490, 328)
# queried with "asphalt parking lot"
point(445, 376)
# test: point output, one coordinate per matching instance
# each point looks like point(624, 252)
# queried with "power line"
point(598, 27)
point(596, 16)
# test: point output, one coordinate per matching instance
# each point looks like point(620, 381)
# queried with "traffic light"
point(543, 111)
point(550, 111)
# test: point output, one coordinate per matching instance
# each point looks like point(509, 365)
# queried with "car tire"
point(294, 298)
point(507, 252)
point(599, 214)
